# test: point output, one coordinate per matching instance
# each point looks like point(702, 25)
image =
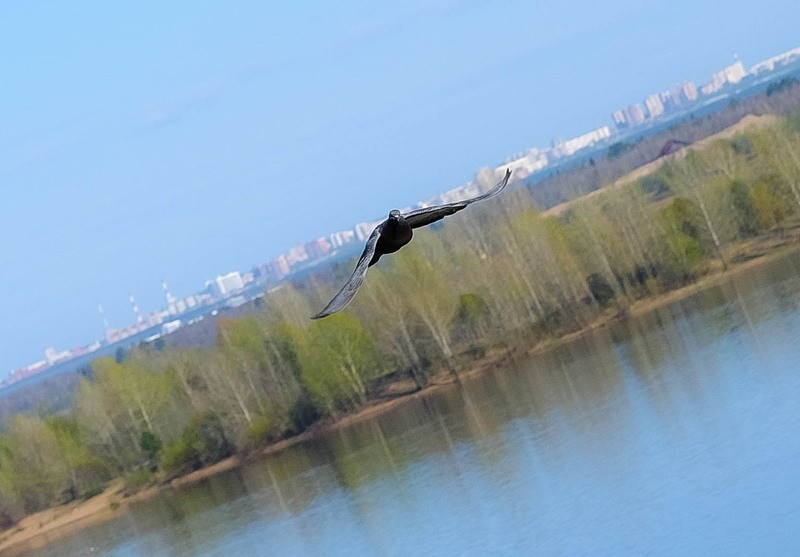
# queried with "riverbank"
point(42, 528)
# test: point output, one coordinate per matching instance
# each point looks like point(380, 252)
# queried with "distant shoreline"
point(40, 529)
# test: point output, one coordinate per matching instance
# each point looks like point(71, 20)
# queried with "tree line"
point(504, 274)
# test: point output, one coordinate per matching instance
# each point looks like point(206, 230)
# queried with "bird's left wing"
point(428, 215)
point(350, 288)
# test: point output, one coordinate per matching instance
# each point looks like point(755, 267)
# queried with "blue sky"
point(182, 140)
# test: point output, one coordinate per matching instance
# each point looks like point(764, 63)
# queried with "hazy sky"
point(182, 140)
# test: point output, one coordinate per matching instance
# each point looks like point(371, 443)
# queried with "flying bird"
point(394, 233)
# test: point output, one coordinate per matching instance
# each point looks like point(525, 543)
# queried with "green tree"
point(768, 210)
point(655, 185)
point(122, 401)
point(336, 355)
point(591, 236)
point(473, 316)
point(778, 150)
point(203, 442)
point(246, 342)
point(11, 508)
point(693, 179)
point(684, 216)
point(150, 443)
point(742, 145)
point(42, 469)
point(600, 288)
point(391, 324)
point(682, 221)
point(244, 351)
point(743, 205)
point(425, 290)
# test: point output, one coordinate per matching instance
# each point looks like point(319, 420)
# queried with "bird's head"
point(394, 215)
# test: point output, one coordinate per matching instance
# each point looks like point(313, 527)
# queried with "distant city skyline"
point(236, 288)
point(173, 143)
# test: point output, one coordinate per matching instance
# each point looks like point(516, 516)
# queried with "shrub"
point(744, 212)
point(742, 145)
point(91, 475)
point(150, 443)
point(213, 443)
point(303, 413)
point(259, 431)
point(600, 289)
point(202, 442)
point(656, 186)
point(183, 455)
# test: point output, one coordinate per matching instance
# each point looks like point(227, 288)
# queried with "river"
point(673, 433)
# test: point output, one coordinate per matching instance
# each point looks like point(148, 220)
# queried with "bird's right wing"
point(428, 215)
point(350, 288)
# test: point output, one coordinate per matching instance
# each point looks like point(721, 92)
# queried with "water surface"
point(675, 433)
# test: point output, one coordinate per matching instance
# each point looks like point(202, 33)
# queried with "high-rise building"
point(719, 80)
point(730, 74)
point(635, 114)
point(620, 120)
point(297, 254)
point(364, 229)
point(570, 146)
point(689, 91)
point(278, 268)
point(521, 167)
point(707, 88)
point(668, 100)
point(655, 107)
point(317, 248)
point(338, 239)
point(735, 72)
point(232, 282)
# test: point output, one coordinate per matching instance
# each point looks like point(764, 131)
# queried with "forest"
point(502, 275)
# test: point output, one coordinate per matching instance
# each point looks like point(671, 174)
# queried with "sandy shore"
point(42, 528)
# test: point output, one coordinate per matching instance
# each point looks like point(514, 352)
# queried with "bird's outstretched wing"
point(424, 217)
point(350, 288)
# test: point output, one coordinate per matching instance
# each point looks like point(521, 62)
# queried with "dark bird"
point(394, 233)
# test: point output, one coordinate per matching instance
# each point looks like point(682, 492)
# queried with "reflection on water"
point(673, 433)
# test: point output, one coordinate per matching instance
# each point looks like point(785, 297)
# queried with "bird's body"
point(394, 233)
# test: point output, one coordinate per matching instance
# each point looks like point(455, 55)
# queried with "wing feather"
point(350, 288)
point(428, 215)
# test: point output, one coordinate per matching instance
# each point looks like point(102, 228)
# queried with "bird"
point(394, 233)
